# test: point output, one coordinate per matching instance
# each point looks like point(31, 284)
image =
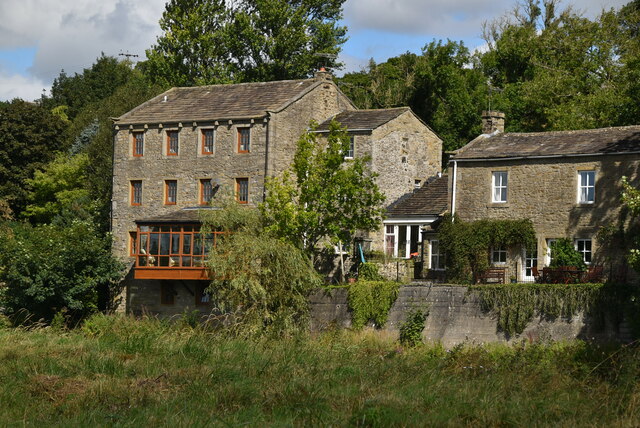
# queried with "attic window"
point(417, 183)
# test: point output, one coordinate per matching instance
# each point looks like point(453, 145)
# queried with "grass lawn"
point(122, 372)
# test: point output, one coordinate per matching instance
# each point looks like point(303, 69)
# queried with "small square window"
point(171, 192)
point(244, 140)
point(583, 246)
point(138, 144)
point(206, 191)
point(242, 190)
point(202, 297)
point(499, 255)
point(208, 141)
point(172, 143)
point(136, 192)
point(586, 187)
point(499, 187)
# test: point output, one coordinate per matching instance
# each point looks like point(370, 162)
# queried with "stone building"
point(172, 153)
point(567, 182)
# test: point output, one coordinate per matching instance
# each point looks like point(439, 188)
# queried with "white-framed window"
point(530, 256)
point(499, 187)
point(583, 246)
point(499, 255)
point(548, 258)
point(402, 240)
point(352, 147)
point(436, 258)
point(342, 248)
point(586, 187)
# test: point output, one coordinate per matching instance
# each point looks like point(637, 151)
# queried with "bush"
point(563, 253)
point(369, 272)
point(411, 329)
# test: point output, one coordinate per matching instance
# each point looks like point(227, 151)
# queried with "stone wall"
point(455, 316)
point(546, 191)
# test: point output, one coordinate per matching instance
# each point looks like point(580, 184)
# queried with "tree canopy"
point(211, 41)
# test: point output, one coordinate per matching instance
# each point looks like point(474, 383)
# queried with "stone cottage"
point(566, 182)
point(173, 153)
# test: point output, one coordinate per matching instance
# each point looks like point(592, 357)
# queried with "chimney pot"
point(492, 121)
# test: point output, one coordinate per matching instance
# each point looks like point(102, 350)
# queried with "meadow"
point(118, 371)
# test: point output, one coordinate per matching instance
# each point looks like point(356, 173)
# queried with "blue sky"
point(38, 38)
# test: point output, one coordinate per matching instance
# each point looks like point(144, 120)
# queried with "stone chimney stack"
point(492, 120)
point(322, 74)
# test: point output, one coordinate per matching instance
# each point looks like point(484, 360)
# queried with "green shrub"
point(411, 329)
point(369, 272)
point(371, 300)
point(563, 253)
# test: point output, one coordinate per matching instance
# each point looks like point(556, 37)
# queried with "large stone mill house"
point(172, 153)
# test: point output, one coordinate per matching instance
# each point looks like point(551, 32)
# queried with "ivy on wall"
point(516, 305)
point(371, 300)
point(467, 244)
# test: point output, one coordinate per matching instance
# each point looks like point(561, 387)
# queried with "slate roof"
point(364, 119)
point(624, 139)
point(431, 199)
point(218, 102)
point(185, 215)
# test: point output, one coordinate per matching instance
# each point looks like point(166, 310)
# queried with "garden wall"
point(455, 316)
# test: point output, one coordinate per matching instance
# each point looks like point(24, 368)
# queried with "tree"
point(323, 196)
point(48, 268)
point(261, 279)
point(30, 136)
point(208, 41)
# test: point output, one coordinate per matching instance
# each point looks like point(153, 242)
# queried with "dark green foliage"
point(47, 268)
point(411, 329)
point(563, 253)
point(371, 301)
point(438, 85)
point(93, 85)
point(467, 245)
point(369, 272)
point(30, 136)
point(516, 305)
point(261, 280)
point(209, 41)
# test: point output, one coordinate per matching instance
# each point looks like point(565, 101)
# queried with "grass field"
point(122, 372)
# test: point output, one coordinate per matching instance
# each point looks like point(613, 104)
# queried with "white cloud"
point(19, 86)
point(71, 34)
point(456, 19)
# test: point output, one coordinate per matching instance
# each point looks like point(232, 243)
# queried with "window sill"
point(499, 205)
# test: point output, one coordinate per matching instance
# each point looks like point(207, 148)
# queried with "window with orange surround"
point(172, 143)
point(244, 140)
point(206, 191)
point(136, 192)
point(138, 143)
point(208, 141)
point(170, 192)
point(242, 190)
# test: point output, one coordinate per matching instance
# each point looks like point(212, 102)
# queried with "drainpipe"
point(453, 192)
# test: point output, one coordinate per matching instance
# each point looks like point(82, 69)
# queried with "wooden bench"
point(497, 273)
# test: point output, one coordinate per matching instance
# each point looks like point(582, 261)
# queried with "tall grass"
point(118, 371)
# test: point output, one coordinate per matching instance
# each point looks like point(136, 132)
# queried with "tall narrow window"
point(138, 144)
point(584, 247)
point(172, 143)
point(206, 191)
point(207, 141)
point(242, 190)
point(352, 146)
point(499, 186)
point(499, 255)
point(530, 261)
point(133, 239)
point(436, 257)
point(244, 140)
point(170, 192)
point(136, 192)
point(550, 243)
point(586, 187)
point(390, 240)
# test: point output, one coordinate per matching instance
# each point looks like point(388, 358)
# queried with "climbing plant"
point(371, 301)
point(514, 306)
point(467, 244)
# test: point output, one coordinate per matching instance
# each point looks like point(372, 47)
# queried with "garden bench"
point(493, 273)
